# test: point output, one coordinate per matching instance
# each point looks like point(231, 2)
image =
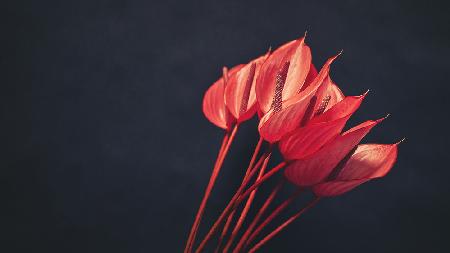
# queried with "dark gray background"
point(106, 149)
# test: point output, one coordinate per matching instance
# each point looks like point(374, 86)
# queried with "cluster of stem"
point(246, 191)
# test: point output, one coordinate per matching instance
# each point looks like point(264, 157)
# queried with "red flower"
point(240, 96)
point(304, 112)
point(369, 161)
point(317, 167)
point(214, 106)
point(234, 100)
point(284, 74)
point(289, 89)
point(321, 128)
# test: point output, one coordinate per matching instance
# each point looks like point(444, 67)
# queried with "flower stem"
point(274, 214)
point(220, 158)
point(244, 212)
point(258, 216)
point(247, 172)
point(282, 226)
point(266, 176)
point(224, 231)
point(234, 202)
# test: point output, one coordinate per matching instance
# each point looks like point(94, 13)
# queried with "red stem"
point(258, 216)
point(212, 180)
point(274, 214)
point(247, 172)
point(244, 212)
point(254, 156)
point(266, 176)
point(282, 226)
point(224, 231)
point(237, 199)
point(232, 204)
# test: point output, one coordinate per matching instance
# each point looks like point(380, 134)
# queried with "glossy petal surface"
point(318, 166)
point(240, 96)
point(328, 95)
point(214, 106)
point(344, 108)
point(307, 140)
point(275, 124)
point(310, 138)
point(298, 57)
point(369, 161)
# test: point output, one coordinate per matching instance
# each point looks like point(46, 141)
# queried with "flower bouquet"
point(302, 112)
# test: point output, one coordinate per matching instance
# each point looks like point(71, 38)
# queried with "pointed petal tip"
point(225, 75)
point(362, 96)
point(302, 39)
point(402, 140)
point(224, 70)
point(381, 119)
point(359, 97)
point(331, 59)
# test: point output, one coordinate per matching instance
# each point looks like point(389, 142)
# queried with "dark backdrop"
point(106, 149)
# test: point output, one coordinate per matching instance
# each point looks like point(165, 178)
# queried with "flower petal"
point(310, 138)
point(318, 166)
point(299, 66)
point(335, 188)
point(344, 108)
point(322, 99)
point(240, 95)
point(336, 95)
point(275, 124)
point(306, 140)
point(328, 95)
point(369, 161)
point(312, 74)
point(214, 102)
point(295, 53)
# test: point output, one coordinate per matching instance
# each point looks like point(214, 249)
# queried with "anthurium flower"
point(321, 128)
point(286, 116)
point(369, 161)
point(318, 166)
point(284, 74)
point(240, 96)
point(214, 106)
